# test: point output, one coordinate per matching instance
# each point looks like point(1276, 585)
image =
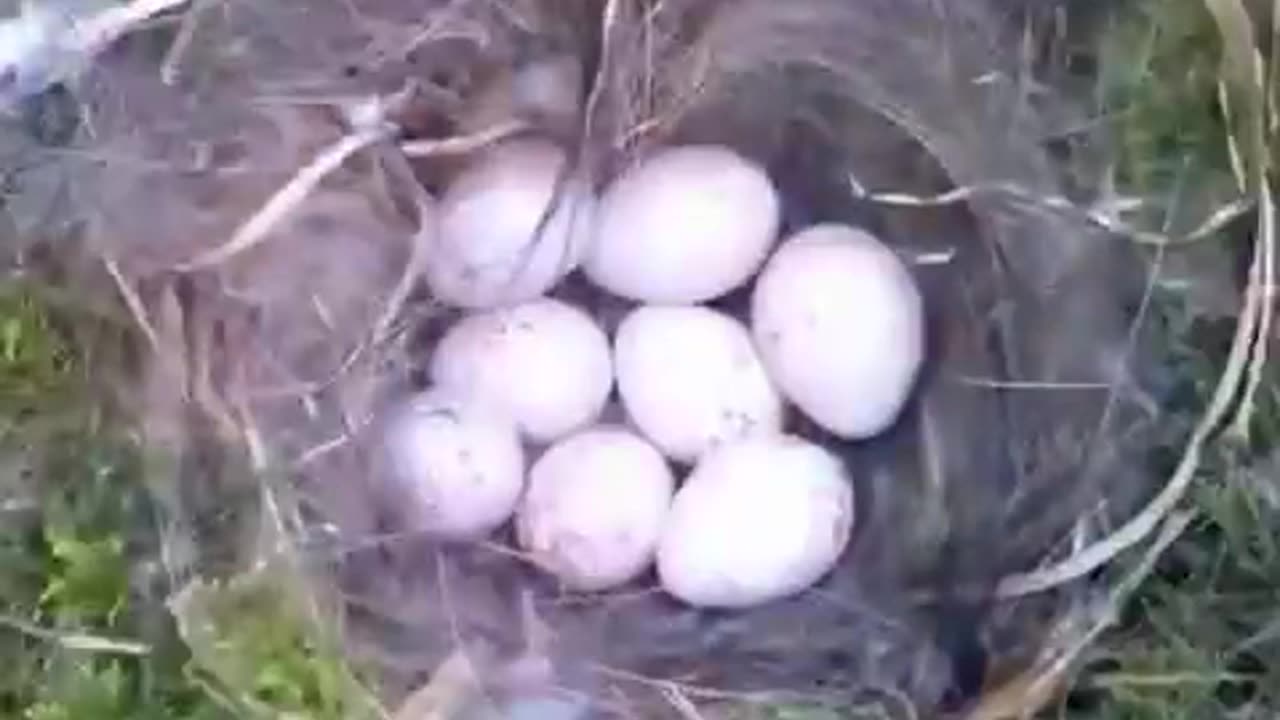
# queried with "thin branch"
point(134, 303)
point(682, 704)
point(287, 198)
point(1030, 384)
point(170, 66)
point(1216, 220)
point(1262, 293)
point(700, 691)
point(1027, 693)
point(610, 20)
point(462, 144)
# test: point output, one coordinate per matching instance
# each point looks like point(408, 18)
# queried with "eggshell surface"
point(757, 521)
point(493, 247)
point(459, 466)
point(839, 324)
point(690, 379)
point(545, 363)
point(687, 225)
point(595, 507)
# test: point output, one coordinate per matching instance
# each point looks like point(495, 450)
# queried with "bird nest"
point(253, 180)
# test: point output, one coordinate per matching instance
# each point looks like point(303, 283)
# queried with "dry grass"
point(1193, 639)
point(1187, 629)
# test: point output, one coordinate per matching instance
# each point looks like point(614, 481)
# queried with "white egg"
point(690, 379)
point(688, 225)
point(545, 363)
point(493, 247)
point(839, 324)
point(757, 521)
point(595, 508)
point(458, 465)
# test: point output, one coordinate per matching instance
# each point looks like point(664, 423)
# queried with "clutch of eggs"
point(836, 329)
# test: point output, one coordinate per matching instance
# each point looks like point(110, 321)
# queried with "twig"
point(1031, 384)
point(699, 691)
point(425, 234)
point(1172, 529)
point(1263, 277)
point(257, 447)
point(1026, 694)
point(319, 450)
point(941, 257)
point(610, 19)
point(394, 305)
point(134, 303)
point(1242, 78)
point(169, 67)
point(462, 144)
point(287, 198)
point(682, 704)
point(1106, 221)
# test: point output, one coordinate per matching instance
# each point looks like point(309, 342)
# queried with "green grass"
point(1157, 92)
point(71, 620)
point(1201, 638)
point(85, 631)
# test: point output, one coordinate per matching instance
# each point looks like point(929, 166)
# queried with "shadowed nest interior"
point(270, 341)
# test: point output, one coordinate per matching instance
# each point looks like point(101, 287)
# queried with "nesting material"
point(659, 166)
